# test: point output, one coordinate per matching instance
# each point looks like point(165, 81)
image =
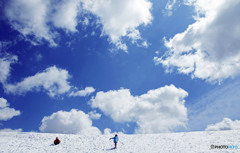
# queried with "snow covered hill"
point(149, 143)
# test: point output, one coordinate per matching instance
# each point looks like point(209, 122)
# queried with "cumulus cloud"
point(87, 91)
point(225, 124)
point(5, 66)
point(42, 19)
point(121, 18)
point(33, 18)
point(73, 122)
point(29, 18)
point(209, 48)
point(159, 110)
point(7, 113)
point(53, 80)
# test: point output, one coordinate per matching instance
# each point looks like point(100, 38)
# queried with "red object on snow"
point(56, 141)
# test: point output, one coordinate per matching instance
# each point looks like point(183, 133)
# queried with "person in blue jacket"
point(115, 140)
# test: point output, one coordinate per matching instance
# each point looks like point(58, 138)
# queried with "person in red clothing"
point(56, 141)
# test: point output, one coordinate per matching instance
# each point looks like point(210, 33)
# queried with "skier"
point(56, 141)
point(115, 140)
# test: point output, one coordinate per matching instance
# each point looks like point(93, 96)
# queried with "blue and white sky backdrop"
point(131, 66)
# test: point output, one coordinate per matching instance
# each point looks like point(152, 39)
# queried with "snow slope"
point(150, 143)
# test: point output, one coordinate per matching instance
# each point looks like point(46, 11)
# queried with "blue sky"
point(140, 66)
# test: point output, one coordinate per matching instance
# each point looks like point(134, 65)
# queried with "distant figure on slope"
point(115, 140)
point(56, 141)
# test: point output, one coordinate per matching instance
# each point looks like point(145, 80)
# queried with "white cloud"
point(86, 92)
point(157, 52)
point(5, 66)
point(73, 122)
point(85, 21)
point(3, 103)
point(7, 113)
point(209, 48)
point(53, 80)
point(29, 18)
point(41, 19)
point(94, 115)
point(169, 7)
point(220, 102)
point(34, 18)
point(11, 130)
point(225, 124)
point(107, 131)
point(170, 4)
point(121, 18)
point(65, 14)
point(159, 110)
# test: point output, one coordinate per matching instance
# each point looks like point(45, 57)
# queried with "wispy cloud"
point(87, 91)
point(11, 130)
point(169, 7)
point(221, 102)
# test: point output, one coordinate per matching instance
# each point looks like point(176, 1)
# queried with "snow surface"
point(190, 142)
